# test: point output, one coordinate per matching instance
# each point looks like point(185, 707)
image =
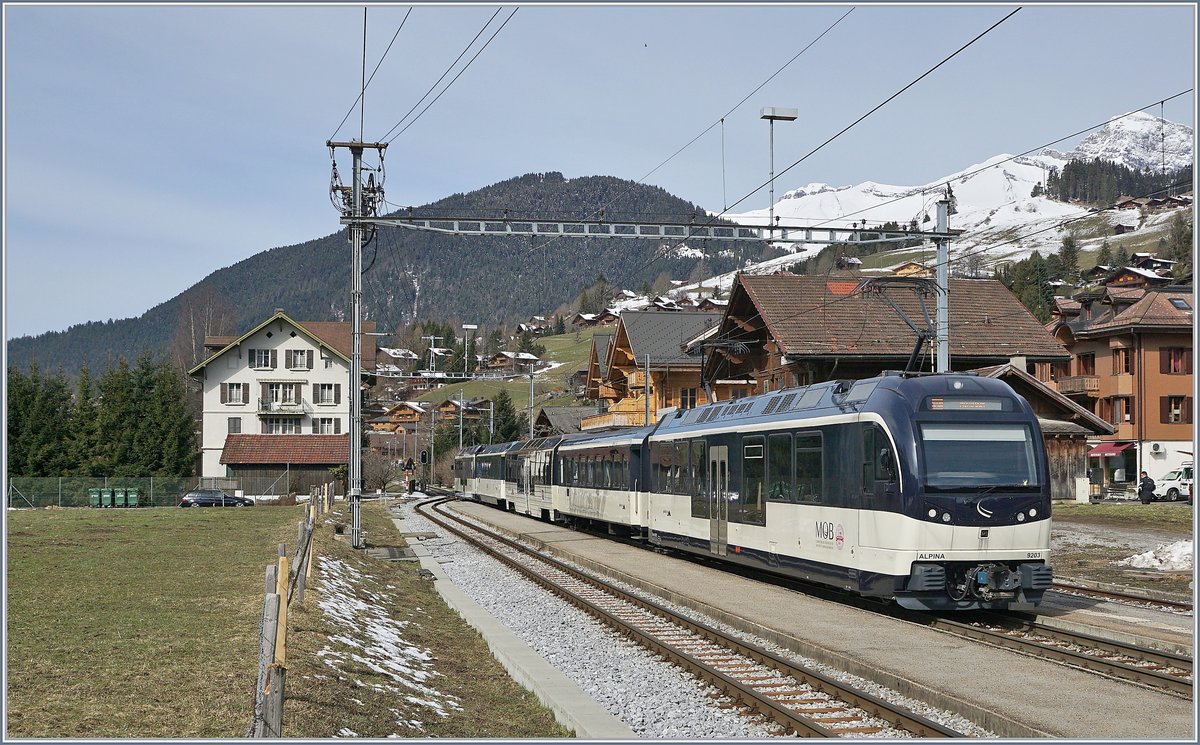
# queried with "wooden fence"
point(285, 584)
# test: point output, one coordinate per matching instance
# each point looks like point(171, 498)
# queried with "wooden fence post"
point(282, 591)
point(266, 655)
point(273, 702)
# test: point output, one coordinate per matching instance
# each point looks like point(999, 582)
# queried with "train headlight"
point(1020, 517)
point(945, 517)
point(1033, 511)
point(932, 512)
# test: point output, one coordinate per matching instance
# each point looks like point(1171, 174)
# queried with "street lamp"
point(773, 114)
point(466, 346)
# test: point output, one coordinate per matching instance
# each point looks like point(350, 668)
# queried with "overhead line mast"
point(363, 201)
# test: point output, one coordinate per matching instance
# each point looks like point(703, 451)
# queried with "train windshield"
point(978, 456)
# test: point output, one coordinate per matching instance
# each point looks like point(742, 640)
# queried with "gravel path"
point(655, 699)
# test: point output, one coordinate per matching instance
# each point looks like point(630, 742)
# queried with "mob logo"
point(825, 531)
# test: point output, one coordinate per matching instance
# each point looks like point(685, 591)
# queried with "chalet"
point(649, 348)
point(561, 420)
point(276, 400)
point(1131, 365)
point(1132, 276)
point(597, 367)
point(1152, 263)
point(1097, 273)
point(712, 305)
point(403, 413)
point(790, 330)
point(452, 409)
point(912, 269)
point(511, 362)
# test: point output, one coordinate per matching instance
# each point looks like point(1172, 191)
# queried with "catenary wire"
point(659, 253)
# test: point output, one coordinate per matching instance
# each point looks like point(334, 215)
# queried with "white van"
point(1175, 485)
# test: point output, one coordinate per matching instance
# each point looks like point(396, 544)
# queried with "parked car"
point(213, 498)
point(1175, 485)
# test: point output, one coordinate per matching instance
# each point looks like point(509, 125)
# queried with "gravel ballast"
point(654, 698)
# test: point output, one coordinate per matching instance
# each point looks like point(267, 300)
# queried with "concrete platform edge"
point(998, 723)
point(572, 707)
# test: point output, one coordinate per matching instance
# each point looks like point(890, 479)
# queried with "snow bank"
point(1175, 557)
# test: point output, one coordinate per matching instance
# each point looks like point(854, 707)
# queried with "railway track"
point(799, 700)
point(1123, 597)
point(1151, 667)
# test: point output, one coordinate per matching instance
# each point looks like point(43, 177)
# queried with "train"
point(928, 490)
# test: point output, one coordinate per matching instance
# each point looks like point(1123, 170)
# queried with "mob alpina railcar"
point(929, 490)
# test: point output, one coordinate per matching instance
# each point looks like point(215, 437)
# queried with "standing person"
point(1146, 489)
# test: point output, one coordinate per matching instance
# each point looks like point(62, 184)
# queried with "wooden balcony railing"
point(1089, 384)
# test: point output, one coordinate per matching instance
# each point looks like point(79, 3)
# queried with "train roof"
point(613, 438)
point(824, 399)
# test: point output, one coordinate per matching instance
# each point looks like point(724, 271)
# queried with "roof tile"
point(294, 449)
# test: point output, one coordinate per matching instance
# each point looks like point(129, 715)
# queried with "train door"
point(718, 501)
point(527, 480)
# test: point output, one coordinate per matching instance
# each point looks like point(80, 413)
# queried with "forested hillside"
point(408, 274)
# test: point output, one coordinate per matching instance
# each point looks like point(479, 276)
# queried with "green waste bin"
point(119, 497)
point(106, 497)
point(94, 497)
point(131, 497)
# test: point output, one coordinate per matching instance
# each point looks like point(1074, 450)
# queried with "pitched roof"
point(279, 449)
point(1154, 309)
point(601, 342)
point(815, 315)
point(565, 419)
point(661, 335)
point(1086, 422)
point(333, 335)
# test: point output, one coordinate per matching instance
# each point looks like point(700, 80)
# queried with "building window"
point(736, 393)
point(1122, 410)
point(235, 425)
point(687, 398)
point(1121, 362)
point(1087, 364)
point(262, 358)
point(327, 426)
point(298, 359)
point(1175, 410)
point(233, 393)
point(1176, 361)
point(326, 393)
point(281, 393)
point(280, 426)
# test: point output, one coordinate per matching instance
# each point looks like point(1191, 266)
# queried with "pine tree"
point(509, 424)
point(1068, 258)
point(84, 437)
point(114, 415)
point(1121, 257)
point(560, 326)
point(1104, 255)
point(19, 400)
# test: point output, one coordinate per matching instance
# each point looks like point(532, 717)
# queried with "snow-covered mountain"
point(1138, 140)
point(993, 198)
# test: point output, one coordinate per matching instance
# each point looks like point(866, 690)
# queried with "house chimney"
point(1018, 361)
point(279, 310)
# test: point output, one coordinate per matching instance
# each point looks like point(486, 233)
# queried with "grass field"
point(1160, 515)
point(144, 623)
point(137, 623)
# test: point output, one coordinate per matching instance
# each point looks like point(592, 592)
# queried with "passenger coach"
point(932, 490)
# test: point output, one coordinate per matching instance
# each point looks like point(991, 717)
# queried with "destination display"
point(938, 403)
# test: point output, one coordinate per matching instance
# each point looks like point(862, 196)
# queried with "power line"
point(659, 253)
point(455, 78)
point(720, 121)
point(368, 83)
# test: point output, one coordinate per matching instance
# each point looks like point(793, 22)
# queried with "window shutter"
point(1129, 412)
point(337, 426)
point(337, 393)
point(250, 358)
point(309, 354)
point(1187, 361)
point(289, 358)
point(274, 359)
point(264, 426)
point(1164, 409)
point(224, 393)
point(266, 392)
point(316, 395)
point(1164, 360)
point(1187, 409)
point(299, 389)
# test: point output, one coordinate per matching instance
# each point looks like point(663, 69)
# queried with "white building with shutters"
point(282, 377)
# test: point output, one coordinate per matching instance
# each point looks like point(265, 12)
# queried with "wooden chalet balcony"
point(266, 407)
point(1077, 384)
point(613, 419)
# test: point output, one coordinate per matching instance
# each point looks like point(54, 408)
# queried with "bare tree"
point(378, 471)
point(203, 312)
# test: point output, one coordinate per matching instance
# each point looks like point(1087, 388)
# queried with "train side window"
point(779, 468)
point(683, 482)
point(658, 468)
point(748, 507)
point(809, 469)
point(699, 462)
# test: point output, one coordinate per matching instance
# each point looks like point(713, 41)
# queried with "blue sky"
point(146, 147)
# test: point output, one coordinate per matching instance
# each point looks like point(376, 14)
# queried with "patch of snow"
point(1173, 557)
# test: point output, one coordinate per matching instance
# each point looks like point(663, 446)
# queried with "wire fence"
point(155, 491)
